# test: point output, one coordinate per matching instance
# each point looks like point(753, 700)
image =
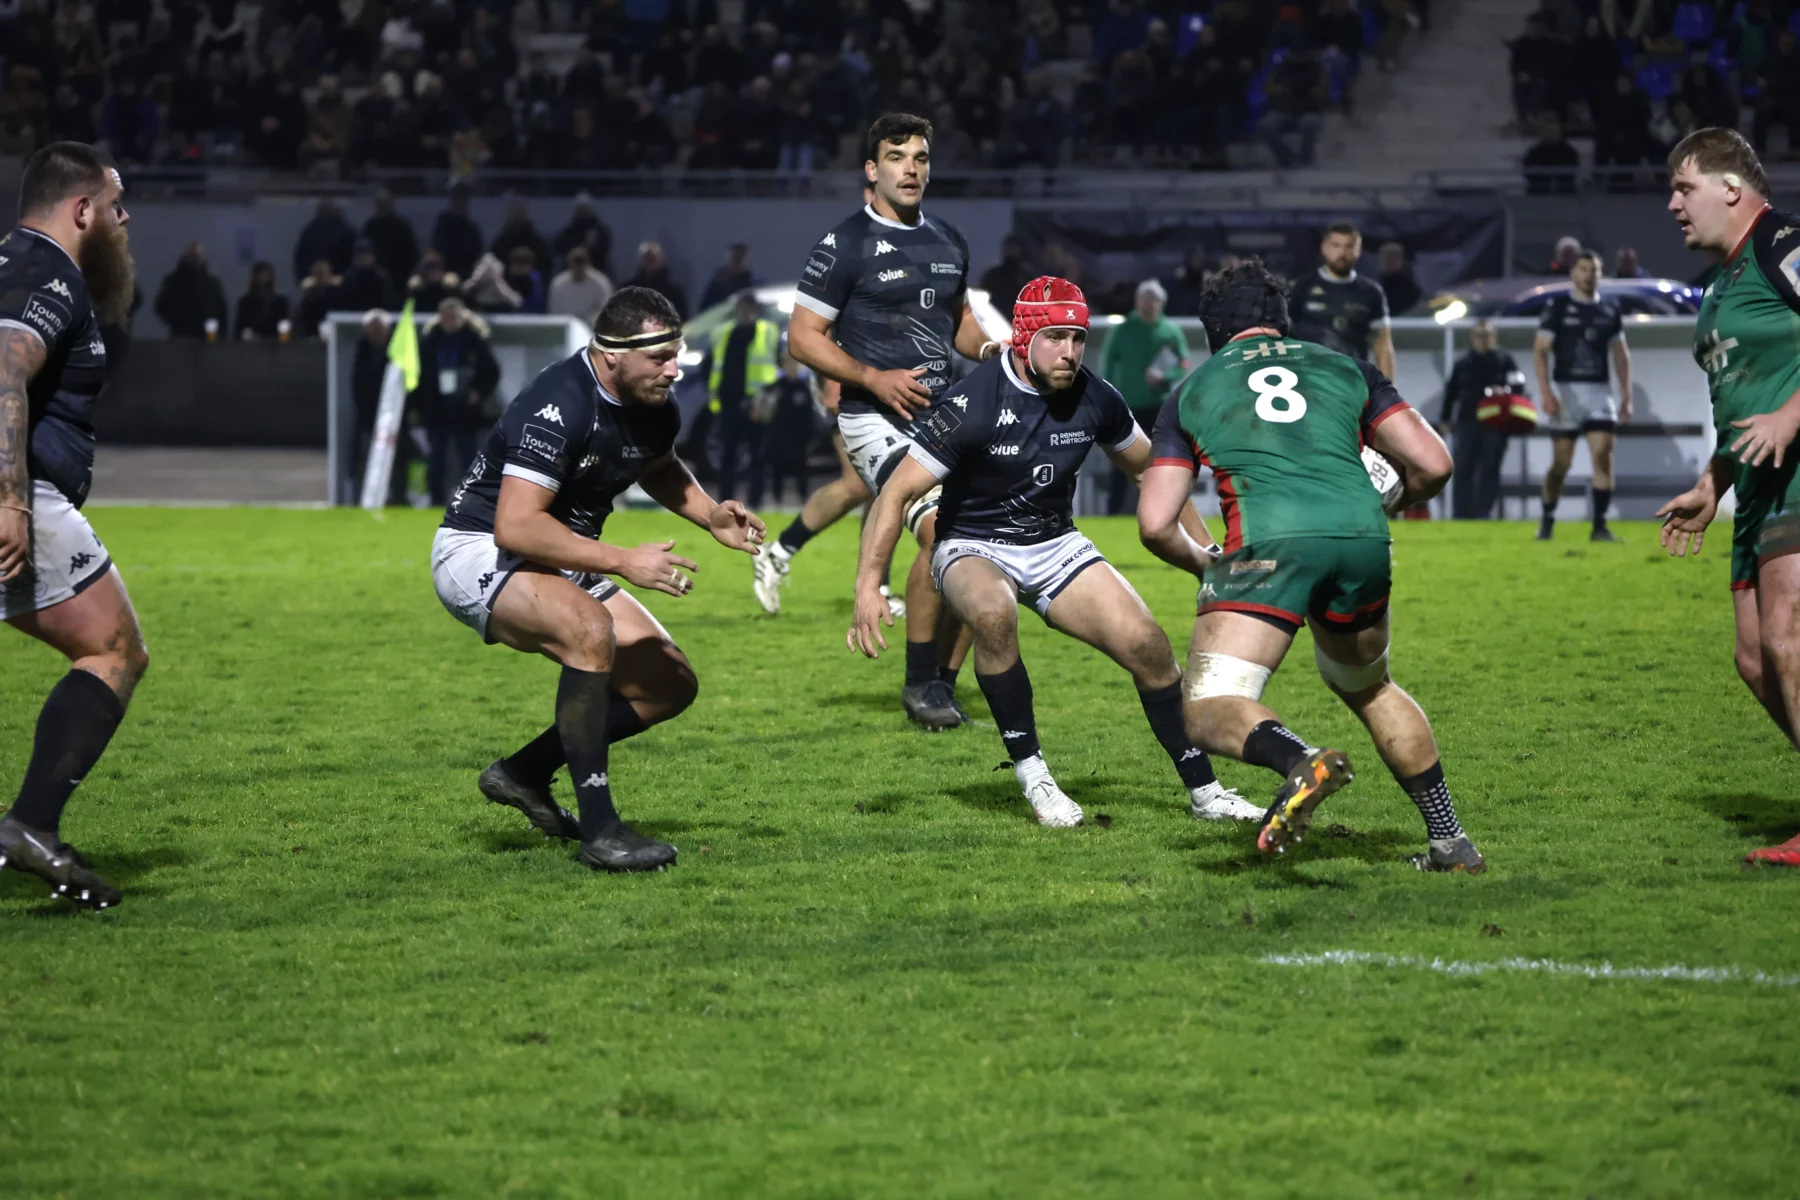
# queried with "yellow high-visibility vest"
point(760, 366)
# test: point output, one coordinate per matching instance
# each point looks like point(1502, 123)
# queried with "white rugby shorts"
point(1040, 572)
point(66, 556)
point(1583, 406)
point(871, 440)
point(469, 570)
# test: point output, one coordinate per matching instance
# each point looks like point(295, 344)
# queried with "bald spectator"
point(653, 272)
point(1568, 253)
point(579, 291)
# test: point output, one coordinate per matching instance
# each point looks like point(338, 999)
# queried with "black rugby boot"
point(544, 813)
point(622, 848)
point(55, 862)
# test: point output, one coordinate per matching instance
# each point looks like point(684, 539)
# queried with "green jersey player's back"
point(1281, 424)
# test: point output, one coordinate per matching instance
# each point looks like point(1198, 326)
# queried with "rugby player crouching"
point(1006, 445)
point(517, 560)
point(1281, 423)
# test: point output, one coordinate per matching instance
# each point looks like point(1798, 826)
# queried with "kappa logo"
point(961, 402)
point(882, 247)
point(551, 413)
point(60, 288)
point(1007, 417)
point(1785, 231)
point(79, 561)
point(597, 780)
point(890, 276)
point(830, 240)
point(482, 583)
point(1193, 752)
point(1013, 734)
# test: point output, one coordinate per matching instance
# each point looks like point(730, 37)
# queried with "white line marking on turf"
point(1546, 966)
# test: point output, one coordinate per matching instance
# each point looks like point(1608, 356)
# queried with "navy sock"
point(1272, 745)
point(1163, 708)
point(538, 760)
point(795, 536)
point(582, 701)
point(1009, 699)
point(1429, 791)
point(921, 663)
point(948, 675)
point(1602, 502)
point(78, 719)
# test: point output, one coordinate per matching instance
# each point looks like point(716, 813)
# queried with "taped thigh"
point(1347, 678)
point(1214, 675)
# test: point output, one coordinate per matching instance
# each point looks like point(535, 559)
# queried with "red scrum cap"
point(1047, 302)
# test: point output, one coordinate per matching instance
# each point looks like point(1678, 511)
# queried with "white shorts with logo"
point(870, 440)
point(469, 571)
point(66, 556)
point(1040, 572)
point(1583, 406)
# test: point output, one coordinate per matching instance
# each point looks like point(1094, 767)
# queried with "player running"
point(881, 305)
point(1580, 329)
point(1280, 423)
point(1344, 310)
point(1744, 339)
point(1006, 447)
point(64, 269)
point(517, 560)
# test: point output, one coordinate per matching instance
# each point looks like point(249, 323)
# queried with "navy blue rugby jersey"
point(895, 293)
point(1583, 332)
point(1340, 313)
point(43, 293)
point(566, 433)
point(1008, 455)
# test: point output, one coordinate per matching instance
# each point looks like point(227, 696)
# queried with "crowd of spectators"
point(1638, 75)
point(334, 87)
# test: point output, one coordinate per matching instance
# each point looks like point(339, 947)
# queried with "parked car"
point(1526, 296)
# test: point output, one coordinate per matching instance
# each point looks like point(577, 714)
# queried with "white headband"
point(655, 339)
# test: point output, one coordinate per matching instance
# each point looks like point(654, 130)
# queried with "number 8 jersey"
point(1281, 424)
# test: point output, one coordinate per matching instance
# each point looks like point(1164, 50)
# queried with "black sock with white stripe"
point(1009, 699)
point(1429, 791)
point(1163, 708)
point(582, 700)
point(1273, 745)
point(536, 762)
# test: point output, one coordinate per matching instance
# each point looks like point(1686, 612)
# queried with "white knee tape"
point(923, 507)
point(1346, 678)
point(1211, 675)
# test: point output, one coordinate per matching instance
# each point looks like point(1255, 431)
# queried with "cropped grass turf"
point(339, 972)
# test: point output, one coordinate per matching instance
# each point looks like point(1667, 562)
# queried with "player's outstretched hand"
point(1685, 519)
point(901, 390)
point(15, 542)
point(655, 565)
point(1764, 435)
point(737, 527)
point(872, 612)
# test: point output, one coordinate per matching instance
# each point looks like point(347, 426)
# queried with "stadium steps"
point(1444, 109)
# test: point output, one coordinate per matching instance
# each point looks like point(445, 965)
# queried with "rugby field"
point(338, 972)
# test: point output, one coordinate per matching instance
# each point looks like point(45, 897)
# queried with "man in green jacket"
point(1144, 356)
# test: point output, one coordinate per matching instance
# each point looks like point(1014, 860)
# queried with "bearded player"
point(518, 559)
point(1006, 447)
point(1745, 339)
point(881, 304)
point(1281, 423)
point(65, 269)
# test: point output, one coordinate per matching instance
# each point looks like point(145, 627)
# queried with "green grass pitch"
point(338, 972)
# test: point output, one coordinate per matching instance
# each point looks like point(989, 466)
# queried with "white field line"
point(1544, 966)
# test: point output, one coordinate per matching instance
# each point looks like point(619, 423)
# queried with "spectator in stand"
point(715, 131)
point(1593, 63)
point(261, 310)
point(1297, 93)
point(457, 373)
point(432, 285)
point(1143, 356)
point(488, 290)
point(396, 246)
point(191, 297)
point(1039, 124)
point(1622, 129)
point(455, 236)
point(71, 119)
point(1778, 101)
point(732, 277)
point(318, 295)
point(327, 236)
point(519, 230)
point(328, 126)
point(365, 284)
point(1626, 266)
point(1537, 63)
point(368, 371)
point(653, 272)
point(129, 122)
point(1479, 449)
point(587, 230)
point(580, 291)
point(193, 111)
point(1565, 256)
point(278, 124)
point(1703, 90)
point(1551, 165)
point(525, 280)
point(1190, 280)
point(1007, 278)
point(1403, 291)
point(760, 123)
